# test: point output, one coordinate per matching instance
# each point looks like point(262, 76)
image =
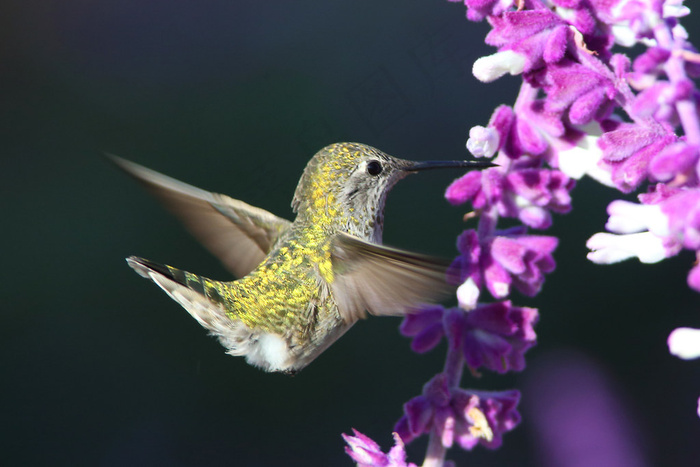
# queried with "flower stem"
point(435, 455)
point(487, 223)
point(675, 70)
point(454, 365)
point(526, 96)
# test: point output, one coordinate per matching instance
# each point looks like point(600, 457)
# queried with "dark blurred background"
point(99, 367)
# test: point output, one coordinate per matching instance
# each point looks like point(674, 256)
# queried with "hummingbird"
point(302, 284)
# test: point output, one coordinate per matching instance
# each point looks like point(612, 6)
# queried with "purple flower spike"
point(367, 453)
point(566, 122)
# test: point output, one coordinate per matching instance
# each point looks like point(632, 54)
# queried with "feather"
point(383, 280)
point(238, 234)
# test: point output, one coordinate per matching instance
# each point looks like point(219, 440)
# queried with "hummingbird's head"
point(350, 176)
point(348, 183)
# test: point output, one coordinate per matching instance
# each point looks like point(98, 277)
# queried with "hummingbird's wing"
point(382, 280)
point(239, 234)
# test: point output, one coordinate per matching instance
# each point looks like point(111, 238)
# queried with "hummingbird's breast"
point(287, 302)
point(290, 289)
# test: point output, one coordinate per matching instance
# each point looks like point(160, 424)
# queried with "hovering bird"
point(301, 284)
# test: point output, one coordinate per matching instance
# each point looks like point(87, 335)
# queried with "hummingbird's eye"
point(374, 168)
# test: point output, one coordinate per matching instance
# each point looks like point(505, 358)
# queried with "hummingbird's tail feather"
point(198, 295)
point(203, 300)
point(201, 285)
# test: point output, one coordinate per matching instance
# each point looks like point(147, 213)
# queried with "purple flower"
point(429, 411)
point(649, 66)
point(495, 336)
point(518, 259)
point(576, 90)
point(520, 134)
point(683, 213)
point(536, 192)
point(539, 36)
point(658, 193)
point(367, 453)
point(694, 276)
point(528, 130)
point(635, 20)
point(464, 188)
point(651, 60)
point(580, 15)
point(426, 327)
point(528, 194)
point(562, 48)
point(629, 149)
point(468, 417)
point(509, 258)
point(477, 10)
point(675, 161)
point(659, 100)
point(499, 411)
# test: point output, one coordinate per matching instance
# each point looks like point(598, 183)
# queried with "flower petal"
point(492, 67)
point(685, 343)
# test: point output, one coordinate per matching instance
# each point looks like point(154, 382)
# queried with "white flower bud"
point(684, 343)
point(483, 141)
point(468, 295)
point(492, 67)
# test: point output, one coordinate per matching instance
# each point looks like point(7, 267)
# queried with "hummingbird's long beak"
point(412, 166)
